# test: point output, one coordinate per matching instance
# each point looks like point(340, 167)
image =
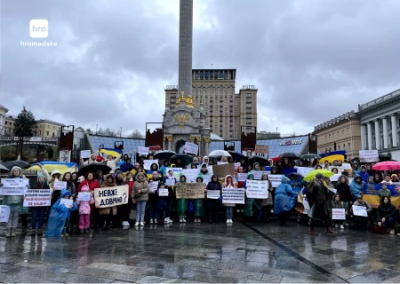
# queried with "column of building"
point(367, 135)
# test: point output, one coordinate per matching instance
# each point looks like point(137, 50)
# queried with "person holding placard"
point(141, 195)
point(198, 204)
point(213, 204)
point(84, 209)
point(15, 202)
point(37, 212)
point(155, 179)
point(361, 221)
point(384, 191)
point(106, 215)
point(123, 210)
point(386, 215)
point(337, 203)
point(282, 205)
point(112, 162)
point(181, 203)
point(228, 206)
point(59, 216)
point(356, 187)
point(92, 183)
point(268, 203)
point(170, 182)
point(162, 203)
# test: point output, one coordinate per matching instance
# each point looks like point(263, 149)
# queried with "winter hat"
point(16, 168)
point(65, 193)
point(39, 175)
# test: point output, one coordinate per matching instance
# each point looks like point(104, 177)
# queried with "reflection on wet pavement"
point(238, 253)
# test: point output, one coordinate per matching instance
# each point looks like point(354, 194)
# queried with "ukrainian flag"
point(51, 165)
point(110, 151)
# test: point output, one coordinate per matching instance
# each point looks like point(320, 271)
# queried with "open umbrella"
point(164, 155)
point(257, 159)
point(387, 166)
point(237, 156)
point(310, 156)
point(219, 153)
point(93, 168)
point(311, 175)
point(185, 159)
point(3, 169)
point(16, 163)
point(289, 155)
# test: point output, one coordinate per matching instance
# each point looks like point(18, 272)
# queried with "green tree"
point(23, 127)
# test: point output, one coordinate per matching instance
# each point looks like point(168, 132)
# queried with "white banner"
point(233, 195)
point(213, 194)
point(14, 186)
point(222, 163)
point(143, 151)
point(275, 180)
point(84, 196)
point(60, 185)
point(37, 197)
point(170, 181)
point(163, 192)
point(346, 166)
point(67, 202)
point(190, 174)
point(4, 213)
point(153, 186)
point(257, 174)
point(257, 189)
point(368, 156)
point(339, 169)
point(147, 163)
point(207, 178)
point(360, 211)
point(306, 207)
point(191, 148)
point(335, 177)
point(303, 170)
point(85, 154)
point(338, 214)
point(111, 196)
point(242, 176)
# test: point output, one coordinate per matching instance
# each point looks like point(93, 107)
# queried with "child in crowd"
point(84, 210)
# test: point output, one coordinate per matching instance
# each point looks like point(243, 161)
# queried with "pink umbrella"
point(387, 166)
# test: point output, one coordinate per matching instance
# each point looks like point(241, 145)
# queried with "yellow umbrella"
point(311, 175)
point(331, 158)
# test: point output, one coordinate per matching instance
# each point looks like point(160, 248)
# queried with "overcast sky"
point(310, 60)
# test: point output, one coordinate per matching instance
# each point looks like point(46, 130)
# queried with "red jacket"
point(91, 183)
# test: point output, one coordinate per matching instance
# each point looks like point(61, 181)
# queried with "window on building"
point(343, 133)
point(329, 137)
point(338, 146)
point(326, 138)
point(348, 131)
point(344, 146)
point(47, 133)
point(333, 135)
point(349, 145)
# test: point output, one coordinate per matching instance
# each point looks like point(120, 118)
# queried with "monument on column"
point(184, 123)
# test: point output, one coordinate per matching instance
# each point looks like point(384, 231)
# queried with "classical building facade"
point(3, 113)
point(380, 121)
point(341, 133)
point(214, 91)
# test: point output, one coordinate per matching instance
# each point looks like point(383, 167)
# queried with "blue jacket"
point(283, 194)
point(365, 175)
point(296, 188)
point(356, 188)
point(59, 217)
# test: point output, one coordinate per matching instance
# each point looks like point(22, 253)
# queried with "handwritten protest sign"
point(60, 185)
point(111, 196)
point(143, 151)
point(190, 174)
point(207, 178)
point(338, 214)
point(153, 186)
point(368, 156)
point(262, 149)
point(170, 181)
point(37, 197)
point(360, 211)
point(189, 190)
point(233, 195)
point(4, 213)
point(223, 170)
point(14, 186)
point(213, 194)
point(85, 154)
point(83, 196)
point(66, 202)
point(275, 180)
point(191, 148)
point(258, 174)
point(147, 163)
point(163, 192)
point(242, 176)
point(257, 189)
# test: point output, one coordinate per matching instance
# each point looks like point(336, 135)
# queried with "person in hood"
point(319, 196)
point(296, 182)
point(141, 190)
point(343, 189)
point(169, 182)
point(59, 216)
point(38, 212)
point(267, 204)
point(283, 194)
point(106, 215)
point(384, 191)
point(15, 202)
point(363, 173)
point(91, 160)
point(198, 204)
point(163, 168)
point(213, 204)
point(250, 203)
point(92, 183)
point(206, 160)
point(229, 183)
point(360, 221)
point(126, 166)
point(124, 160)
point(355, 169)
point(84, 210)
point(386, 215)
point(256, 167)
point(337, 203)
point(279, 167)
point(356, 187)
point(181, 203)
point(388, 179)
point(318, 167)
point(152, 202)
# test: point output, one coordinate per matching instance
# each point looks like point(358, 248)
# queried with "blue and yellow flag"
point(371, 194)
point(110, 151)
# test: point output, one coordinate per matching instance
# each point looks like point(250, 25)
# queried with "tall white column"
point(369, 127)
point(394, 130)
point(363, 137)
point(385, 133)
point(377, 135)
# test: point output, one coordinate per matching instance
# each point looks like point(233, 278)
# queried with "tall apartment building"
point(226, 112)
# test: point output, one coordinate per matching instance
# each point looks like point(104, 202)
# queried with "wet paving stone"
point(205, 253)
